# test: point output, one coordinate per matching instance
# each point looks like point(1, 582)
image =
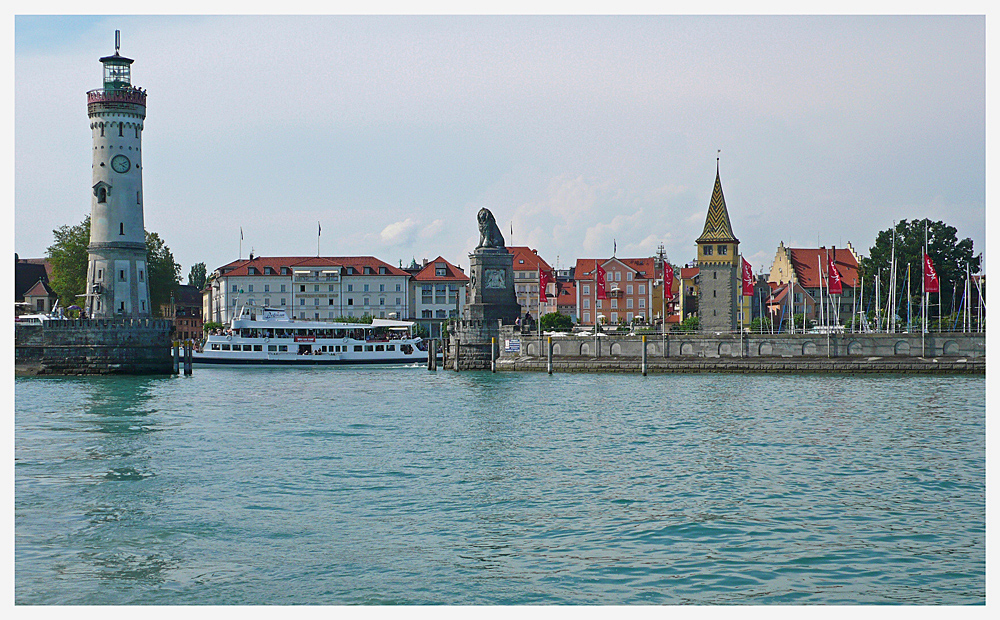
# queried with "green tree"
point(68, 256)
point(555, 321)
point(197, 275)
point(690, 324)
point(164, 273)
point(950, 256)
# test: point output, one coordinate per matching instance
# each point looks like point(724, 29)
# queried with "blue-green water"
point(397, 485)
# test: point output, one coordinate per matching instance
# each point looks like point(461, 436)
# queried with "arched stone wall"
point(532, 348)
point(556, 349)
point(687, 348)
point(616, 349)
point(950, 348)
point(765, 349)
point(585, 348)
point(726, 349)
point(854, 348)
point(902, 347)
point(808, 348)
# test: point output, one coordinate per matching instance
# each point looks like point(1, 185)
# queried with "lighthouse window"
point(102, 131)
point(138, 199)
point(136, 131)
point(121, 128)
point(140, 275)
point(121, 275)
point(121, 228)
point(102, 194)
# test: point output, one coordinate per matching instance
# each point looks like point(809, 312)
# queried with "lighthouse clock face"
point(120, 163)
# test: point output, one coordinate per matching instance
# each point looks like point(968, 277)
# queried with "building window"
point(302, 288)
point(706, 250)
point(642, 302)
point(282, 288)
point(586, 289)
point(350, 287)
point(282, 301)
point(628, 302)
point(427, 314)
point(315, 288)
point(138, 200)
point(398, 301)
point(251, 271)
point(121, 228)
point(267, 301)
point(367, 301)
point(614, 303)
point(715, 275)
point(381, 288)
point(586, 303)
point(722, 250)
point(267, 288)
point(302, 301)
point(366, 288)
point(629, 276)
point(350, 301)
point(440, 270)
point(642, 289)
point(599, 304)
point(586, 317)
point(121, 275)
point(397, 288)
point(628, 288)
point(316, 301)
point(284, 271)
point(250, 288)
point(141, 276)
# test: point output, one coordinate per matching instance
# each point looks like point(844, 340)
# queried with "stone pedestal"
point(492, 302)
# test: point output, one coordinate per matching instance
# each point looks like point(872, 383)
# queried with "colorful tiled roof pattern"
point(717, 225)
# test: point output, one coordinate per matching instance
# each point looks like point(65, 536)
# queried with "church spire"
point(717, 225)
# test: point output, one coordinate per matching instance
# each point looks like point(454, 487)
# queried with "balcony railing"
point(117, 95)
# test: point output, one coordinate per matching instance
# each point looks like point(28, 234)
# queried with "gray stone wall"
point(697, 345)
point(717, 297)
point(95, 346)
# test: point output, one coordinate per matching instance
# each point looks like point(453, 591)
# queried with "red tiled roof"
point(585, 267)
point(240, 267)
point(429, 272)
point(804, 261)
point(532, 261)
point(689, 272)
point(567, 294)
point(40, 289)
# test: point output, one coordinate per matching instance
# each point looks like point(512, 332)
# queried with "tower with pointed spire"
point(117, 276)
point(718, 266)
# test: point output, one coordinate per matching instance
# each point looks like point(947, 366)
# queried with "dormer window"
point(382, 271)
point(251, 271)
point(284, 271)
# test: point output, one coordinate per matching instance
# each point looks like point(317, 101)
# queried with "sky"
point(577, 132)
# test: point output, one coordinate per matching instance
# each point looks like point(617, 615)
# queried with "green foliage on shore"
point(556, 322)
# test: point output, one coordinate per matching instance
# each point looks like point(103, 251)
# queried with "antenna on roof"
point(118, 40)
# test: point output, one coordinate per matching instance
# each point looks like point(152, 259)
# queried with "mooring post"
point(550, 355)
point(643, 356)
point(493, 354)
point(177, 359)
point(430, 354)
point(188, 355)
point(458, 344)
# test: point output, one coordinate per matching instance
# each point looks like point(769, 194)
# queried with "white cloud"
point(399, 233)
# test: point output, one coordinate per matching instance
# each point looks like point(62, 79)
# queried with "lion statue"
point(489, 232)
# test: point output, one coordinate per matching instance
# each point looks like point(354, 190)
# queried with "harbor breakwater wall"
point(691, 352)
point(93, 347)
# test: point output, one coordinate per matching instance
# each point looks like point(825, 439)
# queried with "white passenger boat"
point(268, 336)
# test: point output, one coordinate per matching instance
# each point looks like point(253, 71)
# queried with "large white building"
point(438, 292)
point(309, 288)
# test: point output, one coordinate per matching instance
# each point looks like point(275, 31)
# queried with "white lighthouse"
point(117, 277)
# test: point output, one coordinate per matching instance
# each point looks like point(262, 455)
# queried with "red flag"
point(835, 283)
point(668, 279)
point(543, 283)
point(601, 284)
point(747, 278)
point(931, 283)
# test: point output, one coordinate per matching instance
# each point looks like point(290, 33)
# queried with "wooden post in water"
point(431, 354)
point(187, 359)
point(177, 359)
point(493, 354)
point(550, 354)
point(458, 344)
point(643, 356)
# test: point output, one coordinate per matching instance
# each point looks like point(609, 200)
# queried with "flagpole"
point(923, 297)
point(319, 231)
point(241, 243)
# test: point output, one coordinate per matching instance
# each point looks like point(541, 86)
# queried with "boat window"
point(257, 347)
point(324, 349)
point(368, 347)
point(380, 347)
point(225, 347)
point(272, 347)
point(247, 347)
point(282, 347)
point(390, 347)
point(215, 347)
point(357, 347)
